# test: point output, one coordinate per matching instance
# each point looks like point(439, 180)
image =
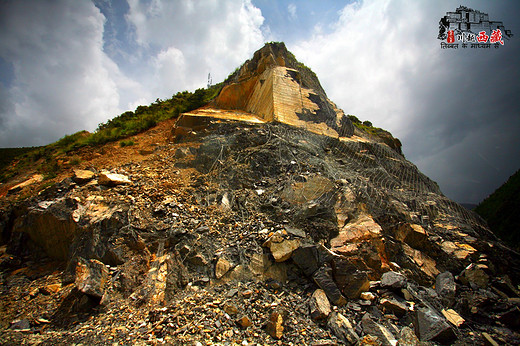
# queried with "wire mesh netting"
point(281, 163)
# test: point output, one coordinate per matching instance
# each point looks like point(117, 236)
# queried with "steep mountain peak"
point(271, 54)
point(276, 54)
point(274, 86)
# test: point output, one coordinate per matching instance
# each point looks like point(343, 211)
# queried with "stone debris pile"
point(177, 255)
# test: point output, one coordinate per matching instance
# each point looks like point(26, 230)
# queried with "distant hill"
point(501, 209)
point(7, 155)
point(469, 206)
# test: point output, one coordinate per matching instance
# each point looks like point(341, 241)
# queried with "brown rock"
point(222, 267)
point(430, 326)
point(411, 234)
point(51, 228)
point(323, 278)
point(475, 274)
point(396, 307)
point(393, 280)
point(244, 322)
point(312, 189)
point(342, 328)
point(183, 152)
point(384, 336)
point(362, 229)
point(407, 337)
point(198, 260)
point(34, 179)
point(50, 289)
point(247, 293)
point(275, 325)
point(279, 93)
point(446, 288)
point(34, 292)
point(113, 179)
point(369, 340)
point(460, 251)
point(230, 309)
point(367, 296)
point(282, 251)
point(281, 248)
point(424, 263)
point(263, 267)
point(453, 317)
point(82, 176)
point(319, 305)
point(91, 277)
point(350, 279)
point(488, 340)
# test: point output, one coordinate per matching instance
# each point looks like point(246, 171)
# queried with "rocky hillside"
point(264, 217)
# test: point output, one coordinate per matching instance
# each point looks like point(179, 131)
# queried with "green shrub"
point(75, 160)
point(354, 119)
point(71, 142)
point(127, 143)
point(116, 129)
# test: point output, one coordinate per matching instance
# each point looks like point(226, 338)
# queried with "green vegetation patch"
point(12, 160)
point(368, 127)
point(500, 210)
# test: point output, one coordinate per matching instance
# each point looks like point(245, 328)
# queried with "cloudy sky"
point(69, 65)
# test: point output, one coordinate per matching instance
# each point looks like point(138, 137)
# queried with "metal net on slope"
point(313, 169)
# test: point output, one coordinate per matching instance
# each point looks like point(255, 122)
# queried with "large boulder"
point(431, 326)
point(371, 327)
point(393, 280)
point(342, 328)
point(323, 278)
point(82, 176)
point(281, 248)
point(319, 305)
point(91, 277)
point(350, 277)
point(112, 179)
point(446, 288)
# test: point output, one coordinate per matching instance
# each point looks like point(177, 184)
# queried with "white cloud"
point(170, 68)
point(65, 82)
point(186, 40)
point(366, 62)
point(291, 8)
point(62, 79)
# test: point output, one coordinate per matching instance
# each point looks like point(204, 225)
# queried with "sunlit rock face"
point(273, 86)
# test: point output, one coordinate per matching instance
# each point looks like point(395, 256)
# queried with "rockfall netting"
point(284, 164)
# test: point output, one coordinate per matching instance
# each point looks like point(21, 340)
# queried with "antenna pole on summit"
point(210, 80)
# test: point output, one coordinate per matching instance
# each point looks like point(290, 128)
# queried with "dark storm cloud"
point(464, 136)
